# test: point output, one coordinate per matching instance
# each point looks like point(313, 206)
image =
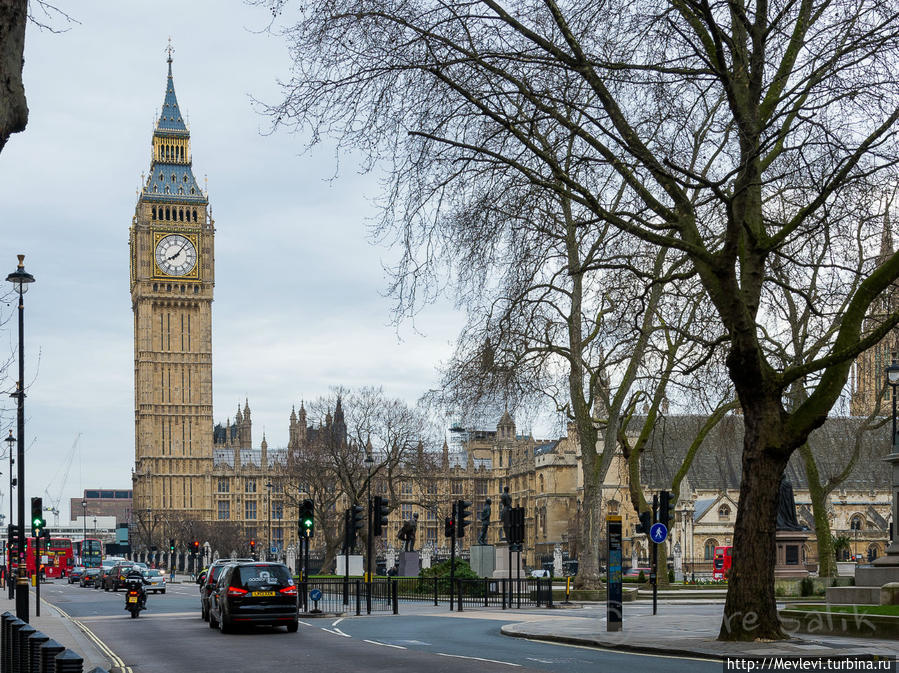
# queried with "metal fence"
point(26, 650)
point(387, 595)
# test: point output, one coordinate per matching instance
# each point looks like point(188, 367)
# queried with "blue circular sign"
point(658, 533)
point(315, 594)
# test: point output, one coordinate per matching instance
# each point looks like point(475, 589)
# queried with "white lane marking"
point(337, 622)
point(300, 621)
point(542, 661)
point(375, 642)
point(462, 656)
point(336, 632)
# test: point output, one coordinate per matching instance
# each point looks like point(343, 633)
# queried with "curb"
point(507, 630)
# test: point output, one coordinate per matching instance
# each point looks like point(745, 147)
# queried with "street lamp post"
point(269, 485)
point(12, 482)
point(891, 558)
point(21, 279)
point(83, 525)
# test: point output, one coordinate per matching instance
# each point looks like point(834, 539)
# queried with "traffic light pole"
point(453, 557)
point(348, 521)
point(370, 549)
point(654, 573)
point(37, 582)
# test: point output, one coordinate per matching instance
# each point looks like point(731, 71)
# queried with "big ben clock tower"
point(172, 274)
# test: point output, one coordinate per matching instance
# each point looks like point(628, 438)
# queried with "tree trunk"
point(750, 611)
point(588, 576)
point(827, 562)
point(13, 107)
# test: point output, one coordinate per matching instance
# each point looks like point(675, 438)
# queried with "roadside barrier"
point(26, 650)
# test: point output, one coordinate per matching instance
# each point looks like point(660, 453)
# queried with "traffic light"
point(307, 518)
point(13, 532)
point(195, 547)
point(666, 508)
point(463, 512)
point(516, 526)
point(37, 517)
point(448, 526)
point(252, 547)
point(380, 508)
point(645, 523)
point(172, 545)
point(358, 518)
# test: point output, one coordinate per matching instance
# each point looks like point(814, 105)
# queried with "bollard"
point(395, 595)
point(503, 587)
point(14, 627)
point(549, 598)
point(34, 651)
point(459, 593)
point(68, 662)
point(486, 590)
point(435, 591)
point(22, 652)
point(49, 650)
point(5, 620)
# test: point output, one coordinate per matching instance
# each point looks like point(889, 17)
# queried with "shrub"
point(641, 577)
point(670, 577)
point(780, 591)
point(806, 587)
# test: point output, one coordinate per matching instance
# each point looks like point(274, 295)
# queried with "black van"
point(256, 593)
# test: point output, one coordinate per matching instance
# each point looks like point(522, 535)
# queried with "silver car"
point(155, 578)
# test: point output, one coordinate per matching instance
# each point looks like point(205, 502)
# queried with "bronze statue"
point(786, 507)
point(484, 518)
point(505, 511)
point(407, 533)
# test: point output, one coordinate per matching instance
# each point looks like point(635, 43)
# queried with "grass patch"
point(888, 610)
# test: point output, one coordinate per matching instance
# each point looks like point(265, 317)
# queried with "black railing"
point(24, 650)
point(388, 593)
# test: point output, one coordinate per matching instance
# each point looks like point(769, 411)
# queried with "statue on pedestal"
point(407, 533)
point(505, 511)
point(786, 507)
point(484, 518)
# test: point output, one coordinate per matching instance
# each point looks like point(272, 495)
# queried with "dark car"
point(255, 593)
point(89, 577)
point(75, 574)
point(207, 580)
point(115, 578)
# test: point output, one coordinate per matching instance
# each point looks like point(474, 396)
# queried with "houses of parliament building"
point(186, 464)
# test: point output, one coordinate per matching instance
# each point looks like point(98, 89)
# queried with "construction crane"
point(64, 469)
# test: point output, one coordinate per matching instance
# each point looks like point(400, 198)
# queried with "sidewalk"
point(52, 624)
point(690, 635)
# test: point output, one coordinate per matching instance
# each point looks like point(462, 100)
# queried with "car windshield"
point(259, 576)
point(152, 573)
point(92, 571)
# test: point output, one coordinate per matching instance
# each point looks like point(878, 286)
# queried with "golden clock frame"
point(159, 274)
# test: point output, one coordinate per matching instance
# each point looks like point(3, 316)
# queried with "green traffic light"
point(307, 523)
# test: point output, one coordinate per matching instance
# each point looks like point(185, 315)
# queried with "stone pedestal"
point(557, 561)
point(502, 562)
point(483, 559)
point(790, 562)
point(355, 565)
point(410, 564)
point(425, 558)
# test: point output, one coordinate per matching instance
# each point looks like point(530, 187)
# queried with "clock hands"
point(177, 254)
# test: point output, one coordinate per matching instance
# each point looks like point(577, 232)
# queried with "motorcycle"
point(134, 600)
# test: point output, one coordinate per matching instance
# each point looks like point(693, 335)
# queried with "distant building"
point(102, 502)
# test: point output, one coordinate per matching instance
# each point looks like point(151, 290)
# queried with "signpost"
point(614, 616)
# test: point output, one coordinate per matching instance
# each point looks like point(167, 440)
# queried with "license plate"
point(262, 593)
point(132, 599)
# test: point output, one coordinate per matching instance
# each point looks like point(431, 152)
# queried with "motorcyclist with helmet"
point(136, 580)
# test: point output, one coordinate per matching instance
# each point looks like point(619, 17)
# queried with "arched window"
point(857, 522)
point(709, 549)
point(166, 212)
point(613, 506)
point(195, 210)
point(181, 214)
point(166, 190)
point(873, 551)
point(154, 212)
point(541, 488)
point(724, 512)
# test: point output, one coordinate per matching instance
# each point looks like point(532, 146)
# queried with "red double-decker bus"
point(721, 562)
point(56, 556)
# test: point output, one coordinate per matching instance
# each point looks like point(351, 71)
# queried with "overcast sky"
point(298, 297)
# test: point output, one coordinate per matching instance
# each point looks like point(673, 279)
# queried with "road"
point(171, 637)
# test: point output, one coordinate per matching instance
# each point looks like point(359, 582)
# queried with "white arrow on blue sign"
point(658, 532)
point(315, 594)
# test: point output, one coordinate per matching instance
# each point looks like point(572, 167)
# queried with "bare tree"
point(788, 110)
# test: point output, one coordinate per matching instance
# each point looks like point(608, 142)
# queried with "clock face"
point(176, 255)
